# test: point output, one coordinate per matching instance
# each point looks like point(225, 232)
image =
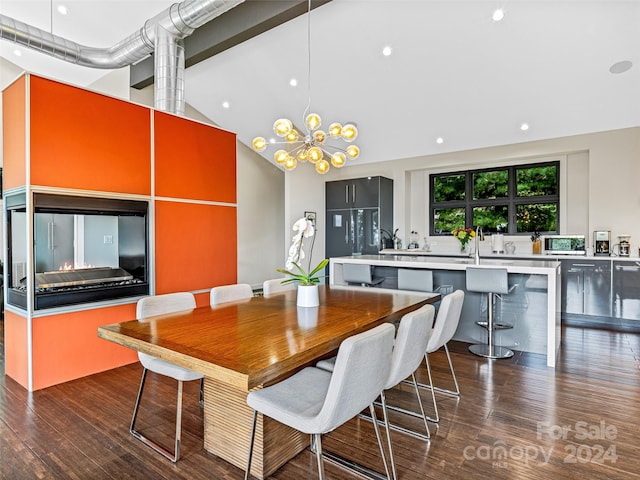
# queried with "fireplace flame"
point(71, 266)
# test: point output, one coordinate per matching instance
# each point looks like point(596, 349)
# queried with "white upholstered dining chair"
point(158, 305)
point(274, 285)
point(230, 293)
point(408, 349)
point(443, 330)
point(315, 401)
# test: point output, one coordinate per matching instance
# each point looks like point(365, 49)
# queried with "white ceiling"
point(454, 72)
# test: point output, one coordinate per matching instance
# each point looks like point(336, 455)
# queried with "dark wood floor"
point(516, 419)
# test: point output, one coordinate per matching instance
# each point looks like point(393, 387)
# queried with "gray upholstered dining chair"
point(315, 401)
point(158, 305)
point(274, 285)
point(230, 293)
point(408, 349)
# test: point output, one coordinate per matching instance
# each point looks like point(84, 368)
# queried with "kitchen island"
point(532, 306)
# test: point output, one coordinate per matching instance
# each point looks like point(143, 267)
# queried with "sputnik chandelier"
point(314, 144)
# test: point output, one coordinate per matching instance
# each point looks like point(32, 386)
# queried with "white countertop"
point(513, 265)
point(539, 257)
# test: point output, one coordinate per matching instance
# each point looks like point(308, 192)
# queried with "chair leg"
point(455, 393)
point(421, 415)
point(251, 441)
point(372, 410)
point(388, 430)
point(178, 422)
point(453, 373)
point(175, 455)
point(201, 398)
point(135, 409)
point(433, 393)
point(424, 416)
point(316, 440)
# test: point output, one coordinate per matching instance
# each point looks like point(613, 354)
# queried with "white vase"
point(307, 317)
point(308, 296)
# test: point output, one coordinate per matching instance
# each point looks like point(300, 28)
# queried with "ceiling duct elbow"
point(178, 21)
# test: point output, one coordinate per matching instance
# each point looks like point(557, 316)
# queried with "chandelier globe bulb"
point(315, 154)
point(338, 159)
point(280, 156)
point(335, 130)
point(353, 151)
point(282, 127)
point(322, 167)
point(313, 121)
point(349, 132)
point(259, 144)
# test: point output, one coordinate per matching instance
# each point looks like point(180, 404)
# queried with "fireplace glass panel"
point(85, 250)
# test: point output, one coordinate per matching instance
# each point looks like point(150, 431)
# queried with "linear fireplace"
point(85, 249)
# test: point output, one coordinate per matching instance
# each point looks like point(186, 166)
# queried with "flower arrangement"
point(304, 228)
point(463, 235)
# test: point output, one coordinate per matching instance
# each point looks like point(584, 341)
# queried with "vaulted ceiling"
point(454, 73)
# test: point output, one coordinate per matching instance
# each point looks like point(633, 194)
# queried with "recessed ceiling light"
point(62, 10)
point(621, 67)
point(293, 82)
point(225, 104)
point(272, 140)
point(386, 51)
point(498, 15)
point(439, 140)
point(524, 127)
point(17, 52)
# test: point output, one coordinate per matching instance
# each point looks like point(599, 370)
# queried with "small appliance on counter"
point(564, 245)
point(602, 242)
point(623, 247)
point(497, 243)
point(413, 244)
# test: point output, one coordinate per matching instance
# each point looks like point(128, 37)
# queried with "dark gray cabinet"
point(586, 287)
point(364, 192)
point(356, 211)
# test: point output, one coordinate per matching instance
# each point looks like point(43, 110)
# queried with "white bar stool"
point(491, 281)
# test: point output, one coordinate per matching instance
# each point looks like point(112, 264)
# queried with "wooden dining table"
point(242, 345)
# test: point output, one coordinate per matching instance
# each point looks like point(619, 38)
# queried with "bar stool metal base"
point(491, 351)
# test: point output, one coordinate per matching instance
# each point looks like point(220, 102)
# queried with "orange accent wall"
point(67, 346)
point(87, 141)
point(15, 348)
point(84, 140)
point(195, 246)
point(193, 160)
point(203, 299)
point(14, 135)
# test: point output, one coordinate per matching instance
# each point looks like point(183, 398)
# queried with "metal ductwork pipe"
point(169, 72)
point(163, 34)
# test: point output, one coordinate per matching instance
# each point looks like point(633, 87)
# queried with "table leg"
point(227, 428)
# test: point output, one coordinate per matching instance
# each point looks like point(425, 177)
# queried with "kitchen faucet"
point(479, 238)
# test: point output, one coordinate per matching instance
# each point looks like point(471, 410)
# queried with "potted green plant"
point(307, 280)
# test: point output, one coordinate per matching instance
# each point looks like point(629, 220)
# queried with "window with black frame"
point(518, 199)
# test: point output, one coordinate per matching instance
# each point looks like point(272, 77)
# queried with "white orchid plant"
point(304, 229)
